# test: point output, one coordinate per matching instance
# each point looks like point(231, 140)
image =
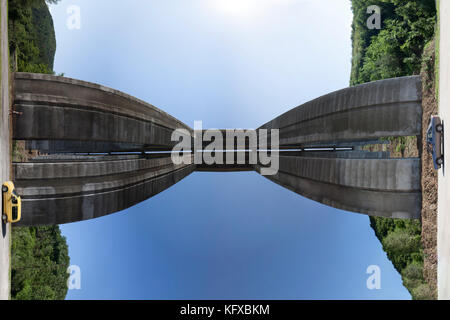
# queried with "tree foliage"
point(32, 35)
point(39, 264)
point(396, 49)
point(401, 240)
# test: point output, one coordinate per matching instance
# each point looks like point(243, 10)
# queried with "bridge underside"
point(320, 149)
point(65, 191)
point(355, 180)
point(388, 188)
point(62, 117)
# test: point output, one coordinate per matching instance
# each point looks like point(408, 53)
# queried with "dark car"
point(434, 141)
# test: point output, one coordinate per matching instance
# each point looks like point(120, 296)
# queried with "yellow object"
point(12, 204)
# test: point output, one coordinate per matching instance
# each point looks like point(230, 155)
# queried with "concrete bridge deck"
point(56, 193)
point(378, 187)
point(62, 109)
point(61, 115)
point(385, 108)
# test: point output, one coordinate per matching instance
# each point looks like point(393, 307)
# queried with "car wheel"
point(4, 189)
point(439, 128)
point(439, 161)
point(4, 218)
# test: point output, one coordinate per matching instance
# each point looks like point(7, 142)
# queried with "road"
point(444, 176)
point(5, 150)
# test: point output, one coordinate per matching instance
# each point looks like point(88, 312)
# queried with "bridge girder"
point(67, 115)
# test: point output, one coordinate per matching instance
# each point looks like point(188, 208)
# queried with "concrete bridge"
point(360, 182)
point(320, 149)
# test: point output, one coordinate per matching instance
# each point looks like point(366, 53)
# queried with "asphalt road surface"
point(5, 150)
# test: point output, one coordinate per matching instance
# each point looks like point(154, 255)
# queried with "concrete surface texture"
point(373, 110)
point(5, 149)
point(444, 178)
point(355, 180)
point(377, 187)
point(354, 154)
point(66, 115)
point(61, 146)
point(58, 108)
point(62, 192)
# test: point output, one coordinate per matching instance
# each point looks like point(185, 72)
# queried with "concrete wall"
point(378, 187)
point(58, 108)
point(64, 146)
point(68, 115)
point(56, 193)
point(354, 180)
point(355, 154)
point(369, 111)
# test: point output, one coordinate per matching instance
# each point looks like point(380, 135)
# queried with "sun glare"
point(245, 8)
point(235, 7)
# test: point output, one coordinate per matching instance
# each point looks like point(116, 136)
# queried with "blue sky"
point(231, 64)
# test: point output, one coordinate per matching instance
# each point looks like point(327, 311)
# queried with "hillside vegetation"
point(39, 255)
point(32, 35)
point(395, 50)
point(39, 264)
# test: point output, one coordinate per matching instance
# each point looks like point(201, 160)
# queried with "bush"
point(401, 242)
point(412, 275)
point(39, 261)
point(423, 292)
point(413, 271)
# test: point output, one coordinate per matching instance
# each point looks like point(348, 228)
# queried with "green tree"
point(39, 264)
point(31, 35)
point(401, 241)
point(396, 49)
